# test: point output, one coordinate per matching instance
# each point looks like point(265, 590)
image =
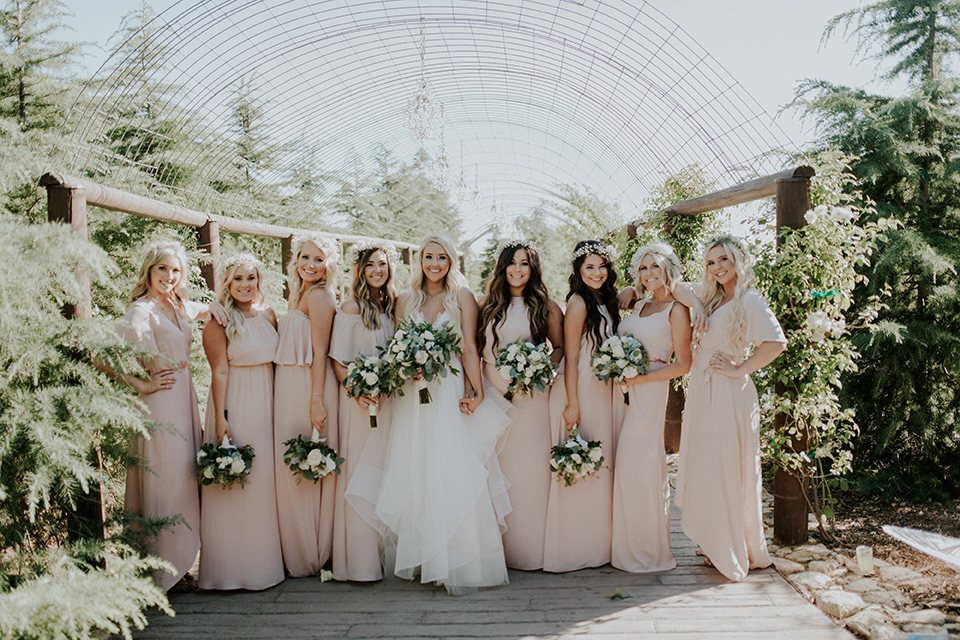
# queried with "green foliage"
point(907, 162)
point(810, 282)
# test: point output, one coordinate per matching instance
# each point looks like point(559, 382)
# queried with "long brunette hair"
point(535, 297)
point(385, 301)
point(606, 296)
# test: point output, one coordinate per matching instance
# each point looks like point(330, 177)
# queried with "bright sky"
point(769, 46)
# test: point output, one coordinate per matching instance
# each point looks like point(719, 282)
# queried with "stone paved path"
point(692, 601)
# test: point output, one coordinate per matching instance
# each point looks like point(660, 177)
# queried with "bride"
point(434, 487)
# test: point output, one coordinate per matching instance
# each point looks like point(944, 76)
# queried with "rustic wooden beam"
point(209, 237)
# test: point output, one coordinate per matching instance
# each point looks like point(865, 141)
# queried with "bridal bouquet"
point(526, 367)
point(225, 464)
point(618, 359)
point(369, 376)
point(419, 348)
point(311, 459)
point(576, 458)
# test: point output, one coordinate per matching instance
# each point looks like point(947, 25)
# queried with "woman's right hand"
point(223, 429)
point(366, 401)
point(158, 381)
point(318, 415)
point(571, 416)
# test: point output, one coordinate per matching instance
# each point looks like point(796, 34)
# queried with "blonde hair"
point(665, 258)
point(452, 283)
point(711, 292)
point(235, 318)
point(332, 261)
point(370, 307)
point(155, 254)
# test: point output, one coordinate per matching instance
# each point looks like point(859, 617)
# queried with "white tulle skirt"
point(433, 487)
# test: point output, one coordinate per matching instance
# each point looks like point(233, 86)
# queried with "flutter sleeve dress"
point(641, 492)
point(718, 479)
point(356, 544)
point(238, 525)
point(580, 517)
point(305, 509)
point(166, 484)
point(525, 450)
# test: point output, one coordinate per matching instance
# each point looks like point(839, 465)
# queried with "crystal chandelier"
point(422, 115)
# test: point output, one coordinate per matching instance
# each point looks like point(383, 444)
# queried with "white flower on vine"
point(842, 214)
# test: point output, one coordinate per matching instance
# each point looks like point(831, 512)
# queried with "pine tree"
point(907, 391)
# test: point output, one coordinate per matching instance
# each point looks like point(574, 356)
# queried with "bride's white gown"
point(433, 487)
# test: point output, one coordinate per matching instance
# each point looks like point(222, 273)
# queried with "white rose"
point(329, 464)
point(630, 372)
point(351, 368)
point(428, 336)
point(554, 464)
point(811, 217)
point(421, 356)
point(536, 356)
point(622, 364)
point(842, 214)
point(305, 466)
point(576, 458)
point(201, 454)
point(208, 472)
point(595, 454)
point(223, 463)
point(605, 359)
point(838, 328)
point(238, 467)
point(618, 350)
point(315, 458)
point(397, 348)
point(371, 378)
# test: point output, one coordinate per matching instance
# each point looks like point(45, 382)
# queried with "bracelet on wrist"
point(315, 393)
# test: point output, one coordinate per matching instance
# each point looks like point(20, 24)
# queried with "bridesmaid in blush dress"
point(641, 493)
point(238, 525)
point(158, 318)
point(580, 517)
point(305, 400)
point(718, 481)
point(518, 307)
point(365, 322)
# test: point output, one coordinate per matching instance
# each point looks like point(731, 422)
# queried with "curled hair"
point(605, 296)
point(373, 304)
point(332, 260)
point(535, 297)
point(154, 255)
point(711, 292)
point(665, 258)
point(451, 284)
point(235, 318)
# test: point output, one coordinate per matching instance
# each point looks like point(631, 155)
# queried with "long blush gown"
point(238, 525)
point(305, 509)
point(166, 485)
point(580, 517)
point(718, 480)
point(525, 450)
point(641, 493)
point(356, 544)
point(437, 493)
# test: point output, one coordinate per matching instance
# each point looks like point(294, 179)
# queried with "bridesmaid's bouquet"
point(311, 459)
point(576, 458)
point(618, 359)
point(526, 367)
point(369, 376)
point(225, 464)
point(419, 348)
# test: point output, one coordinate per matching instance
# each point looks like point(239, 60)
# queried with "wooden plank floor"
point(691, 601)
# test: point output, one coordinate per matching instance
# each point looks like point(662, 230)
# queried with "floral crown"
point(328, 244)
point(594, 247)
point(359, 248)
point(241, 258)
point(520, 244)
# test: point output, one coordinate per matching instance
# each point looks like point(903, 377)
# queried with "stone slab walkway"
point(692, 601)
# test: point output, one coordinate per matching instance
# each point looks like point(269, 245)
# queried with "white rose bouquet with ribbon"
point(369, 376)
point(618, 359)
point(526, 367)
point(576, 458)
point(225, 465)
point(311, 459)
point(421, 349)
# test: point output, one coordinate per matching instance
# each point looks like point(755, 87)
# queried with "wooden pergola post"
point(286, 256)
point(209, 236)
point(68, 205)
point(789, 502)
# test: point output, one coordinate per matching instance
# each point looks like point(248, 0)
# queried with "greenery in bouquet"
point(576, 458)
point(370, 376)
point(526, 367)
point(225, 464)
point(424, 350)
point(619, 358)
point(311, 459)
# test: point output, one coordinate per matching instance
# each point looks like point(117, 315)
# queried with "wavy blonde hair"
point(665, 258)
point(332, 260)
point(386, 300)
point(154, 255)
point(711, 292)
point(451, 284)
point(235, 317)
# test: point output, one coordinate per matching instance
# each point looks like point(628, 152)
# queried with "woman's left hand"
point(469, 404)
point(724, 364)
point(218, 313)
